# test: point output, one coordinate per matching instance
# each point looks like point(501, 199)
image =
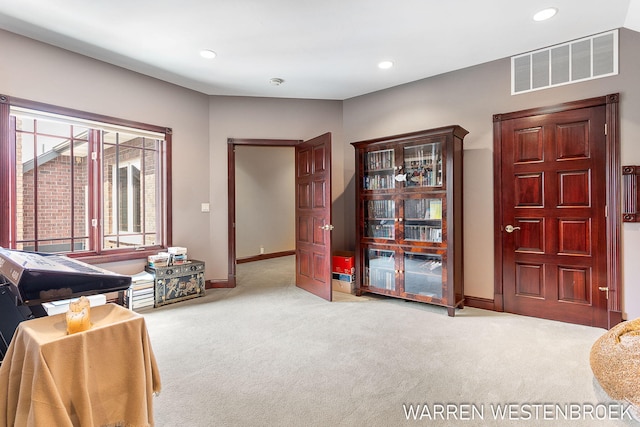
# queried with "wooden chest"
point(178, 282)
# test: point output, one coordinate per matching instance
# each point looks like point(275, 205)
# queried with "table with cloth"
point(105, 376)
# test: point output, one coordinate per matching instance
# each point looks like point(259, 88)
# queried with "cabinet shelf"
point(380, 170)
point(409, 216)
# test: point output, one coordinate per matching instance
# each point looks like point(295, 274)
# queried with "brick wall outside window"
point(54, 201)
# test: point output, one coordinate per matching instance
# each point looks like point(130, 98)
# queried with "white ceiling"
point(323, 49)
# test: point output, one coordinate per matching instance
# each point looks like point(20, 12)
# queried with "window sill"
point(128, 255)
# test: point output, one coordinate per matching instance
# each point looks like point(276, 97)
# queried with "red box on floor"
point(343, 262)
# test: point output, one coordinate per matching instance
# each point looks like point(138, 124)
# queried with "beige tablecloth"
point(105, 376)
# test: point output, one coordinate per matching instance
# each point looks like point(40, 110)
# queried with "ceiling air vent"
point(579, 60)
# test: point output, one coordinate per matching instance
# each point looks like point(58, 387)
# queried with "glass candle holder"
point(78, 316)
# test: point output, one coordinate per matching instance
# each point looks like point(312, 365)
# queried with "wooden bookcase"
point(409, 216)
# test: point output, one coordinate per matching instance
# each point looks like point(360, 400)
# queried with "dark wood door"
point(554, 196)
point(313, 216)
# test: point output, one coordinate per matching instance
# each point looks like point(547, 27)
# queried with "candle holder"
point(78, 316)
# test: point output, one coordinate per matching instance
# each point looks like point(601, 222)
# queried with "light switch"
point(205, 207)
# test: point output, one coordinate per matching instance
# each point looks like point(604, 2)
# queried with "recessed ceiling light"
point(385, 65)
point(545, 14)
point(207, 53)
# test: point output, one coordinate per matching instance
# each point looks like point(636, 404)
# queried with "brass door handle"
point(510, 228)
point(327, 227)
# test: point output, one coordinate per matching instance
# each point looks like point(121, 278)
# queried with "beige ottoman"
point(615, 362)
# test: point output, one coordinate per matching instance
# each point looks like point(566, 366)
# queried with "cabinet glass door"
point(423, 165)
point(423, 274)
point(379, 168)
point(423, 220)
point(379, 219)
point(380, 269)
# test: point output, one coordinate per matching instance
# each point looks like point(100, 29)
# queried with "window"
point(81, 184)
point(127, 198)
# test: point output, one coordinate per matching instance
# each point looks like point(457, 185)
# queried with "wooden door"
point(553, 219)
point(313, 216)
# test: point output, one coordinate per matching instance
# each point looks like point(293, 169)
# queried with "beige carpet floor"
point(267, 353)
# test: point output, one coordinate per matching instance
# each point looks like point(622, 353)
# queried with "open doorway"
point(312, 204)
point(265, 202)
point(234, 144)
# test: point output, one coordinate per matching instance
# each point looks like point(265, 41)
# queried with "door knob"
point(510, 228)
point(327, 227)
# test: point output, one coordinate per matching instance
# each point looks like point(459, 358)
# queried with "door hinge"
point(606, 211)
point(94, 222)
point(94, 156)
point(605, 128)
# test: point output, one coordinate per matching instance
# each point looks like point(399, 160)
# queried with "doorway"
point(557, 215)
point(312, 210)
point(265, 191)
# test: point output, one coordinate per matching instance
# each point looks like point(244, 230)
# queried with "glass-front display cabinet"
point(409, 216)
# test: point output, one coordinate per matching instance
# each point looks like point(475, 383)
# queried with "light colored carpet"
point(269, 354)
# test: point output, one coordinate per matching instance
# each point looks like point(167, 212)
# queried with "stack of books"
point(141, 292)
point(177, 255)
point(161, 259)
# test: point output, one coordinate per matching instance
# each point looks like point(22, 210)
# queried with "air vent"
point(579, 60)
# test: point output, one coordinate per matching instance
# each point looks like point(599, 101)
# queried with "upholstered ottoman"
point(615, 362)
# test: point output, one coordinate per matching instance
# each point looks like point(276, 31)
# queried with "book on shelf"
point(381, 208)
point(435, 209)
point(378, 160)
point(423, 233)
point(378, 231)
point(382, 279)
